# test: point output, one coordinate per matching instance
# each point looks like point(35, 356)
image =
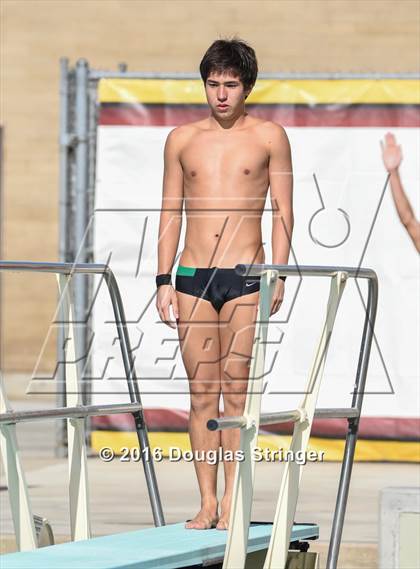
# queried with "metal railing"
point(249, 422)
point(75, 414)
point(302, 416)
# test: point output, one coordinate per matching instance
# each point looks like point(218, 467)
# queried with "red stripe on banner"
point(287, 115)
point(174, 420)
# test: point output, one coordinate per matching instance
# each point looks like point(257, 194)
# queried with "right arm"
point(392, 157)
point(172, 201)
point(170, 224)
point(404, 209)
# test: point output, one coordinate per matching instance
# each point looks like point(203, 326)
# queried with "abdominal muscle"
point(222, 239)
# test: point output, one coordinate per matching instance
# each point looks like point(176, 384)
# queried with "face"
point(225, 94)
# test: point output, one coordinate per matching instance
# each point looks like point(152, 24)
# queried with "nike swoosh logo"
point(251, 283)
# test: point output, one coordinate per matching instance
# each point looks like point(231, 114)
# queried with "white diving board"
point(167, 547)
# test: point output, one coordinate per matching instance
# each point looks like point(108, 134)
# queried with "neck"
point(233, 122)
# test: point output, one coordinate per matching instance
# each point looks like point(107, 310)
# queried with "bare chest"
point(224, 157)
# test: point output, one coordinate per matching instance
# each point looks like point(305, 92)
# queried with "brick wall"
point(310, 35)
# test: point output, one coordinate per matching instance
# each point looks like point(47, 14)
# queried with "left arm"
point(281, 195)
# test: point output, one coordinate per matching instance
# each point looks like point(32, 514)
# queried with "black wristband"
point(283, 278)
point(163, 280)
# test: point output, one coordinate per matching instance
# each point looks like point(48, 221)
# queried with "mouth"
point(222, 107)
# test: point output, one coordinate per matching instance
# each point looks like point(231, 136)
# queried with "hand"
point(391, 153)
point(166, 296)
point(277, 297)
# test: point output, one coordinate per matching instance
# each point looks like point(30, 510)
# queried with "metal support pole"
point(81, 219)
point(20, 503)
point(77, 456)
point(351, 438)
point(243, 488)
point(88, 242)
point(63, 246)
point(292, 473)
point(135, 397)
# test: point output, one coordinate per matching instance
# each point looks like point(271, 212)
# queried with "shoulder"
point(273, 130)
point(274, 137)
point(182, 134)
point(178, 138)
point(269, 131)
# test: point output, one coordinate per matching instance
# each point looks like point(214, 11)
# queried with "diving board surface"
point(167, 547)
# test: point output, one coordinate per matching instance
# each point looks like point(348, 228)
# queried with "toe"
point(222, 524)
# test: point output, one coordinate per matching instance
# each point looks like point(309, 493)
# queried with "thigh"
point(237, 327)
point(198, 332)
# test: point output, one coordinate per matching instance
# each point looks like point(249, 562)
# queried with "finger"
point(173, 316)
point(175, 307)
point(168, 319)
point(165, 310)
point(279, 303)
point(169, 323)
point(162, 316)
point(389, 138)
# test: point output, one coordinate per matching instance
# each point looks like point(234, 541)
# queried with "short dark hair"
point(234, 56)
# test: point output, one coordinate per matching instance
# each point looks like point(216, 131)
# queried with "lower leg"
point(204, 444)
point(237, 328)
point(233, 407)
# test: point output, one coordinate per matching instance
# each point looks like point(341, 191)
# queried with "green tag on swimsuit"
point(186, 271)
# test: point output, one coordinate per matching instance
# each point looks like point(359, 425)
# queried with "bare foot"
point(205, 519)
point(223, 522)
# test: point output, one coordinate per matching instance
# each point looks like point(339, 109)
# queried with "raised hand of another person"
point(392, 157)
point(391, 152)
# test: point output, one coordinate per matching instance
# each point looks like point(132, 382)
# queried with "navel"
point(193, 173)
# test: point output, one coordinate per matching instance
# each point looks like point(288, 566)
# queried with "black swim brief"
point(215, 284)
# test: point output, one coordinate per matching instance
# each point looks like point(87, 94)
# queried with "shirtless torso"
point(225, 188)
point(221, 177)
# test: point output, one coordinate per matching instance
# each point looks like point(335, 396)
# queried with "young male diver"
point(220, 169)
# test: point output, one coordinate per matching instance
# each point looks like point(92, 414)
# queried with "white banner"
point(342, 218)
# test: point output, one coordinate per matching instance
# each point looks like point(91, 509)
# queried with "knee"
point(235, 384)
point(234, 402)
point(235, 372)
point(205, 400)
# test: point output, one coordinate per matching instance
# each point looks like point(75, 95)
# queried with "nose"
point(222, 93)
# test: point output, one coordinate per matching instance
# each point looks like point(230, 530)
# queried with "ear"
point(248, 91)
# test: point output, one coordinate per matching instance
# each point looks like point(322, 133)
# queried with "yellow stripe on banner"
point(333, 449)
point(266, 91)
